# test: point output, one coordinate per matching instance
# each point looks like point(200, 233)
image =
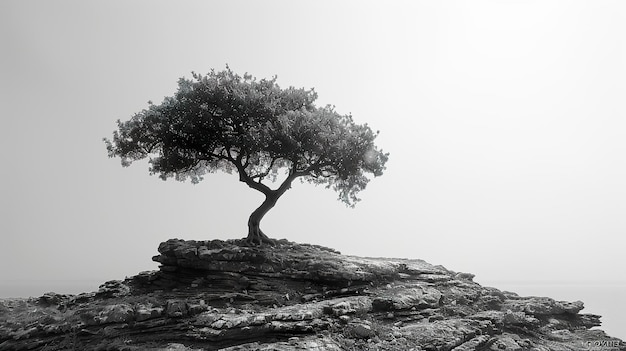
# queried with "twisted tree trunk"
point(255, 234)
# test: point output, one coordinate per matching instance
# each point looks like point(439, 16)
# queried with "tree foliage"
point(223, 121)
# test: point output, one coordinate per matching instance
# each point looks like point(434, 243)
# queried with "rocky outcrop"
point(228, 295)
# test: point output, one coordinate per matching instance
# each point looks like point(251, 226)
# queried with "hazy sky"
point(505, 123)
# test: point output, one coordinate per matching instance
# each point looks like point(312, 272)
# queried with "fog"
point(504, 121)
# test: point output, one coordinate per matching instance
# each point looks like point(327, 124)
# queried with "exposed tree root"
point(256, 236)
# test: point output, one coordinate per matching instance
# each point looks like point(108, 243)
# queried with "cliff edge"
point(228, 295)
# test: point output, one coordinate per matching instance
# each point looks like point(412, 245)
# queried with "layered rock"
point(228, 295)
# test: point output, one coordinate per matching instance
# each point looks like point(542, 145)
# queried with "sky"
point(505, 123)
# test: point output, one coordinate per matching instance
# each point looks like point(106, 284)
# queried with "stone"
point(194, 309)
point(231, 295)
point(464, 276)
point(543, 306)
point(362, 331)
point(52, 299)
point(113, 288)
point(349, 306)
point(176, 308)
point(505, 342)
point(473, 344)
point(119, 313)
point(143, 313)
point(405, 299)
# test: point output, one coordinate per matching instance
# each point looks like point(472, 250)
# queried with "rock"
point(543, 306)
point(177, 347)
point(349, 306)
point(176, 309)
point(340, 309)
point(113, 288)
point(147, 312)
point(419, 298)
point(119, 313)
point(323, 343)
point(444, 334)
point(194, 309)
point(362, 331)
point(589, 320)
point(473, 344)
point(507, 319)
point(505, 342)
point(464, 276)
point(52, 299)
point(231, 295)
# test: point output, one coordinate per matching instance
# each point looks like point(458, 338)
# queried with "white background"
point(505, 123)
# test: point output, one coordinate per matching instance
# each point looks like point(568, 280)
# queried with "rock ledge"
point(228, 295)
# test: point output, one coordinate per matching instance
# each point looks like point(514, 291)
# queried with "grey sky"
point(505, 121)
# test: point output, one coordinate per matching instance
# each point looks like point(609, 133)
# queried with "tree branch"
point(316, 169)
point(267, 171)
point(230, 156)
point(286, 184)
point(148, 148)
point(211, 156)
point(244, 177)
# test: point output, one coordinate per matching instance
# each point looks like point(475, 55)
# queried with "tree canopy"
point(223, 121)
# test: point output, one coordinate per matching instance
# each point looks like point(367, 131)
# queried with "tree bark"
point(255, 234)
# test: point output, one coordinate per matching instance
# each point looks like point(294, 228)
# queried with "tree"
point(222, 121)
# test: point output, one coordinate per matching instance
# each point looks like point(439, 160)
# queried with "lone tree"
point(222, 121)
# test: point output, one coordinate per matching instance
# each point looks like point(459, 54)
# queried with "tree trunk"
point(255, 234)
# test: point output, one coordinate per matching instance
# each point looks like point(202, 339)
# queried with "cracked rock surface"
point(229, 295)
